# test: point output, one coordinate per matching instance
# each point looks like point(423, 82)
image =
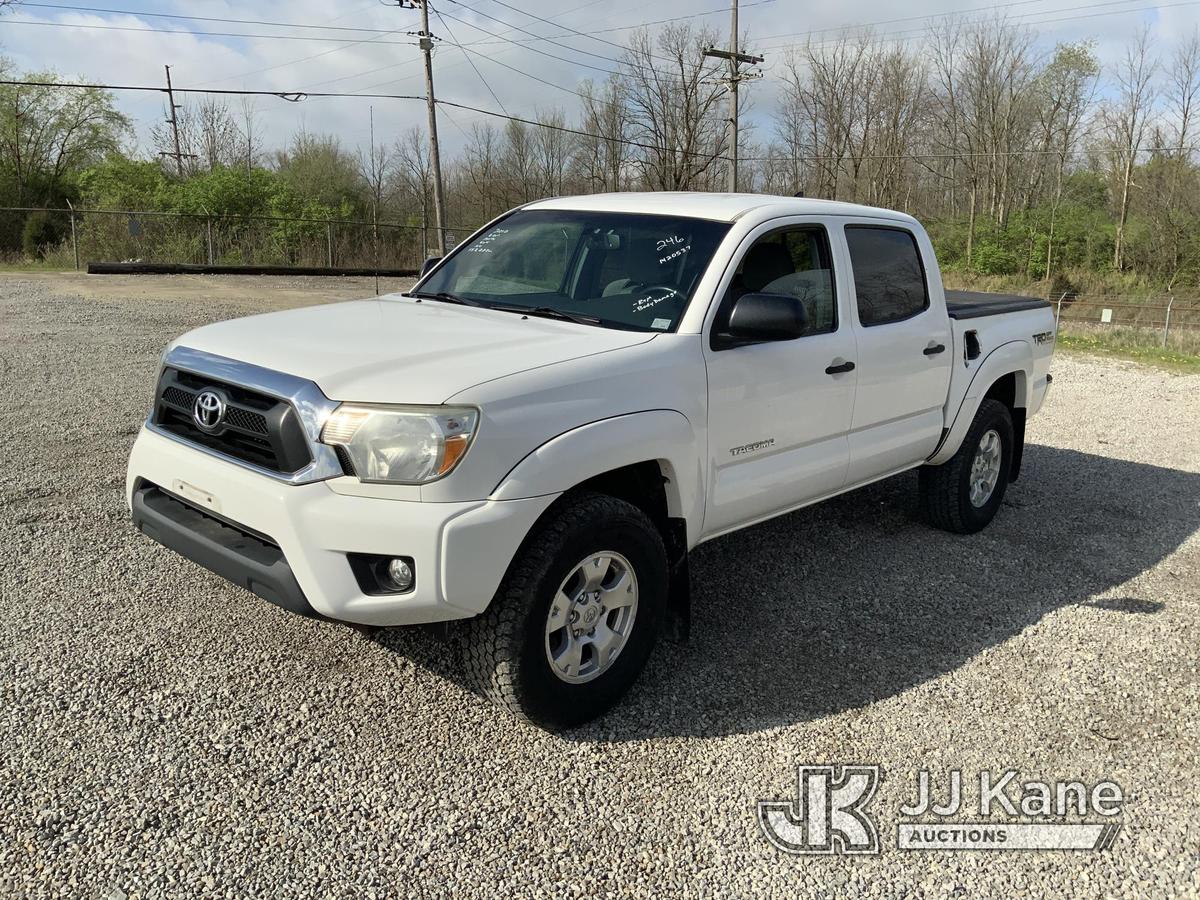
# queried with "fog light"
point(380, 575)
point(399, 574)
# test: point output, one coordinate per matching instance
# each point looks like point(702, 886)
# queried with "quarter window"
point(889, 279)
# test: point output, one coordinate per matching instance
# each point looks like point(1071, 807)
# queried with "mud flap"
point(678, 625)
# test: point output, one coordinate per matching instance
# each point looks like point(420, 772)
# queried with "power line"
point(573, 62)
point(549, 40)
point(927, 16)
point(627, 63)
point(505, 65)
point(179, 33)
point(293, 62)
point(296, 96)
point(635, 25)
point(290, 96)
point(220, 34)
point(512, 44)
point(568, 130)
point(472, 62)
point(158, 15)
point(910, 34)
point(501, 40)
point(574, 31)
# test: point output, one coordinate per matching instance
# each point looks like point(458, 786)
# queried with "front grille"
point(246, 421)
point(256, 428)
point(177, 397)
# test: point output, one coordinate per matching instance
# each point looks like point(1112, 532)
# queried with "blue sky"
point(359, 61)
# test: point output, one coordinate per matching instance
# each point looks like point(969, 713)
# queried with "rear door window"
point(889, 278)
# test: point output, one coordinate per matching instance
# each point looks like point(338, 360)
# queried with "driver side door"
point(780, 411)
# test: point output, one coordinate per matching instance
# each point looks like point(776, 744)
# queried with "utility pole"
point(174, 124)
point(735, 75)
point(435, 158)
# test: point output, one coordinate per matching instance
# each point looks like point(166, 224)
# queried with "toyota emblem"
point(208, 410)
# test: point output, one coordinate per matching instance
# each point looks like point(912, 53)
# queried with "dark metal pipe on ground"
point(139, 268)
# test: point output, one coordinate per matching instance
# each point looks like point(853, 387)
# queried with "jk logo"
point(829, 812)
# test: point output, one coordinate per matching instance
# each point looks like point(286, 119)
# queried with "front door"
point(780, 412)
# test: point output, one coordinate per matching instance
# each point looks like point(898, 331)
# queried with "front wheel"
point(575, 619)
point(963, 494)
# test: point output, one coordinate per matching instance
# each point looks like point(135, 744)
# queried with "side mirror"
point(765, 317)
point(429, 264)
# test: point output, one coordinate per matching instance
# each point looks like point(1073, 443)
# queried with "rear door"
point(904, 348)
point(779, 412)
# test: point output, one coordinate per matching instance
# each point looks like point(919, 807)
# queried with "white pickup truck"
point(535, 436)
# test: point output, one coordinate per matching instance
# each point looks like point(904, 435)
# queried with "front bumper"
point(289, 543)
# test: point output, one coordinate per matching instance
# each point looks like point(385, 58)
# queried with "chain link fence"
point(75, 237)
point(1162, 320)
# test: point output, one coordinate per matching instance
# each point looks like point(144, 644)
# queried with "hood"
point(396, 350)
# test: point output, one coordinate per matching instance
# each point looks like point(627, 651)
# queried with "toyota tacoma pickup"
point(535, 436)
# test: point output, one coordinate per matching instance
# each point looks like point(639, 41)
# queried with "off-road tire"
point(945, 490)
point(504, 652)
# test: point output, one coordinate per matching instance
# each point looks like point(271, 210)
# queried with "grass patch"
point(1176, 361)
point(28, 265)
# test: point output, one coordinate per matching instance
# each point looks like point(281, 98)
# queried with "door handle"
point(839, 369)
point(934, 349)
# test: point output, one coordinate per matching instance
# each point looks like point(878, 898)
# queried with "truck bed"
point(974, 304)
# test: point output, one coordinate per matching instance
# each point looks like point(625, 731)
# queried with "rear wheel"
point(575, 619)
point(963, 494)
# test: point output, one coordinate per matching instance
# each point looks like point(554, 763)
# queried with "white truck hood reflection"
point(396, 350)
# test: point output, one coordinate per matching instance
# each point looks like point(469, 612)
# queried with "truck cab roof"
point(718, 207)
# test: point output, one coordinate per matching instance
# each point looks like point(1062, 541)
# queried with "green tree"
point(317, 167)
point(47, 135)
point(119, 182)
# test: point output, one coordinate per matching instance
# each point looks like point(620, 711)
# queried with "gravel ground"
point(163, 734)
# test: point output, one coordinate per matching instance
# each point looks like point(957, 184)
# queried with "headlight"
point(401, 444)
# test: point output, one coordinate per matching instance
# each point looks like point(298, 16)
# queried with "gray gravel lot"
point(163, 734)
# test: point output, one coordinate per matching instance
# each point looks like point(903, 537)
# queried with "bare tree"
point(1126, 118)
point(375, 168)
point(603, 157)
point(1064, 90)
point(1183, 79)
point(899, 91)
point(821, 100)
point(517, 160)
point(984, 111)
point(552, 152)
point(209, 136)
point(673, 105)
point(415, 173)
point(481, 165)
point(252, 147)
point(849, 112)
point(220, 138)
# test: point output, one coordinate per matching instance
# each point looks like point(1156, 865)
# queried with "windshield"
point(618, 270)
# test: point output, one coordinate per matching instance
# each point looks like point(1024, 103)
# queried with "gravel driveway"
point(164, 734)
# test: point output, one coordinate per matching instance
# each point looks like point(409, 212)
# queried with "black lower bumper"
point(243, 558)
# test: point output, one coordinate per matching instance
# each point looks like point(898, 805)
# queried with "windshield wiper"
point(548, 312)
point(551, 312)
point(447, 297)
